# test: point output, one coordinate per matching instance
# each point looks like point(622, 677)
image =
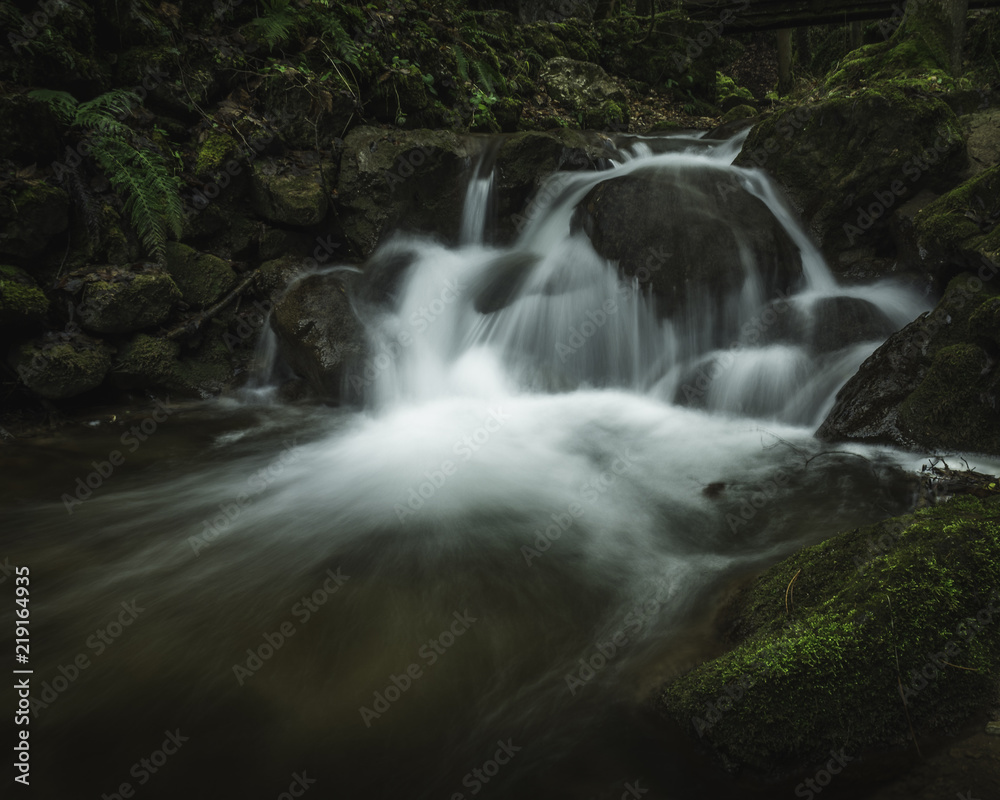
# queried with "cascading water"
point(493, 564)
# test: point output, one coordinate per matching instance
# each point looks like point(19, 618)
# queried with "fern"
point(132, 164)
point(277, 24)
point(462, 62)
point(343, 44)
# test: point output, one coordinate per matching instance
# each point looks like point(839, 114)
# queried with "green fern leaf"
point(63, 104)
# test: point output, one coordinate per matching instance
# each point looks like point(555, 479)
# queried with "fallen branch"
point(192, 325)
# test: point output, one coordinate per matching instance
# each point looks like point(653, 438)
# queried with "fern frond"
point(342, 43)
point(277, 24)
point(463, 63)
point(105, 112)
point(63, 104)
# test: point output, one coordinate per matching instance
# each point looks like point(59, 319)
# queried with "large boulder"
point(849, 162)
point(935, 384)
point(586, 90)
point(688, 230)
point(119, 300)
point(888, 633)
point(318, 332)
point(61, 365)
point(409, 179)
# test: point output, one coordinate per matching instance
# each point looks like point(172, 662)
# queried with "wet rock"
point(588, 91)
point(686, 232)
point(202, 279)
point(119, 301)
point(30, 217)
point(836, 322)
point(319, 335)
point(934, 385)
point(849, 162)
point(22, 302)
point(285, 194)
point(62, 366)
point(400, 179)
point(821, 676)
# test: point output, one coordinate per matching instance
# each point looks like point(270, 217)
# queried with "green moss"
point(738, 113)
point(824, 675)
point(201, 278)
point(960, 216)
point(21, 300)
point(215, 151)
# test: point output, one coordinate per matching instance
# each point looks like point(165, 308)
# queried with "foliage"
point(132, 163)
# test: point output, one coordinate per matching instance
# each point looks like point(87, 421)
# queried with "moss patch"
point(21, 300)
point(917, 590)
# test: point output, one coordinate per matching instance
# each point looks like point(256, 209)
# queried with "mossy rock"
point(875, 613)
point(739, 113)
point(201, 278)
point(30, 217)
point(145, 362)
point(217, 149)
point(285, 195)
point(22, 302)
point(935, 384)
point(586, 90)
point(120, 301)
point(729, 94)
point(57, 369)
point(849, 163)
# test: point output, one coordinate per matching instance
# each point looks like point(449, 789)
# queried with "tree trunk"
point(941, 24)
point(784, 60)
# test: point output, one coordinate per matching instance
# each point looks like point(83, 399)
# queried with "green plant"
point(132, 163)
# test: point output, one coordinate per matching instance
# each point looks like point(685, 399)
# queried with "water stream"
point(489, 567)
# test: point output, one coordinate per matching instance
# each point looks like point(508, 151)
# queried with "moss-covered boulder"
point(145, 362)
point(30, 217)
point(22, 301)
point(285, 194)
point(318, 333)
point(845, 645)
point(958, 230)
point(118, 300)
point(400, 179)
point(849, 162)
point(587, 91)
point(201, 278)
point(934, 385)
point(982, 135)
point(61, 366)
point(202, 369)
point(688, 232)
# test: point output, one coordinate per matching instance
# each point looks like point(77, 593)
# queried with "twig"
point(789, 591)
point(193, 325)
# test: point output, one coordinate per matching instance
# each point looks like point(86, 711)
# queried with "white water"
point(552, 486)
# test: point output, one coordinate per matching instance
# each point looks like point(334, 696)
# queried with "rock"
point(28, 130)
point(60, 367)
point(686, 235)
point(823, 675)
point(287, 195)
point(409, 179)
point(311, 115)
point(836, 322)
point(959, 230)
point(526, 160)
point(739, 113)
point(993, 728)
point(273, 277)
point(146, 362)
point(982, 135)
point(22, 302)
point(202, 279)
point(119, 301)
point(588, 91)
point(849, 162)
point(30, 217)
point(150, 362)
point(318, 333)
point(934, 385)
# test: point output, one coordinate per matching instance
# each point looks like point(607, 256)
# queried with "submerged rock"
point(318, 332)
point(688, 233)
point(62, 366)
point(906, 611)
point(934, 385)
